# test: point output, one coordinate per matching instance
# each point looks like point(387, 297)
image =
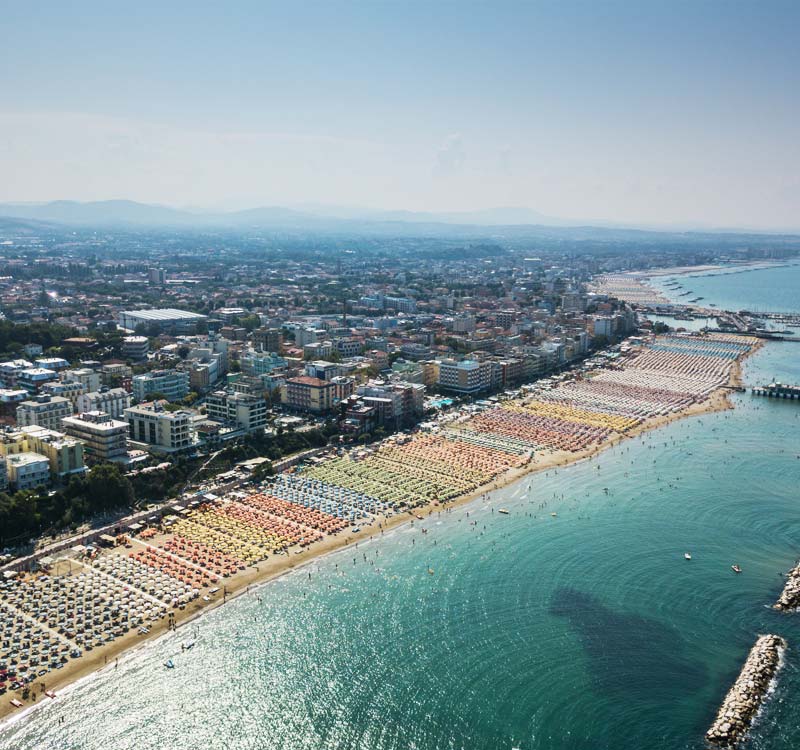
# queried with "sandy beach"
point(104, 658)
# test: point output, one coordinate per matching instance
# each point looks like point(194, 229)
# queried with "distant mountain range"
point(133, 213)
point(328, 219)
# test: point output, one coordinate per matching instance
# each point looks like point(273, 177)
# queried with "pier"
point(777, 390)
point(744, 699)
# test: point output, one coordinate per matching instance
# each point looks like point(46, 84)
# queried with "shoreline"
point(91, 665)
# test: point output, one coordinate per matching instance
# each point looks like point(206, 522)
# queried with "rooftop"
point(162, 314)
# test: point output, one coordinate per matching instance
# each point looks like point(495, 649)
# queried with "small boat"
point(188, 644)
point(169, 664)
point(687, 556)
point(503, 510)
point(16, 703)
point(554, 515)
point(736, 569)
point(49, 693)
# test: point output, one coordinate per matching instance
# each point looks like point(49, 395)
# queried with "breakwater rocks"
point(790, 596)
point(747, 694)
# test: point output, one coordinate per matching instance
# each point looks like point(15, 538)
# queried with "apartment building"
point(163, 431)
point(172, 384)
point(112, 401)
point(44, 411)
point(70, 391)
point(135, 348)
point(104, 438)
point(90, 379)
point(323, 370)
point(64, 454)
point(467, 376)
point(25, 471)
point(310, 395)
point(33, 379)
point(267, 339)
point(246, 412)
point(260, 363)
point(10, 370)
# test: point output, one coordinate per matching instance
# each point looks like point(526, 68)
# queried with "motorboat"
point(736, 569)
point(687, 556)
point(503, 510)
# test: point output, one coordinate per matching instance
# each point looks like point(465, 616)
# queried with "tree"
point(107, 488)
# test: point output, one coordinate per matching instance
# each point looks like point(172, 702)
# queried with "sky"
point(660, 113)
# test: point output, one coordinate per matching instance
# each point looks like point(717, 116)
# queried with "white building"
point(10, 370)
point(163, 431)
point(467, 376)
point(70, 390)
point(173, 384)
point(112, 401)
point(603, 326)
point(33, 378)
point(27, 470)
point(52, 363)
point(135, 348)
point(44, 411)
point(90, 379)
point(104, 438)
point(247, 412)
point(306, 335)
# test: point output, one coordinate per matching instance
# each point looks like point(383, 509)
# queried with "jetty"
point(777, 390)
point(744, 699)
point(790, 596)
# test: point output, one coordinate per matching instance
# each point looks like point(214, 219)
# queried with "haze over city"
point(679, 114)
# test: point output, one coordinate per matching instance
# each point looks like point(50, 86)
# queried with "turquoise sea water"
point(585, 631)
point(761, 290)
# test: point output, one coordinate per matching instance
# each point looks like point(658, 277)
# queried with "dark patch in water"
point(630, 656)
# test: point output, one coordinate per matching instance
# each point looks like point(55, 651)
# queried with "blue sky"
point(651, 112)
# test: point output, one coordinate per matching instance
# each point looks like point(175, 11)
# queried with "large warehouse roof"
point(161, 315)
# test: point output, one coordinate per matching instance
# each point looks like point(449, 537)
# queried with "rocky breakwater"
point(748, 692)
point(790, 596)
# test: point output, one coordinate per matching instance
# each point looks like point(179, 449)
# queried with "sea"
point(583, 630)
point(770, 289)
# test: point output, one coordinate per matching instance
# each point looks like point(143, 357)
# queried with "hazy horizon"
point(658, 114)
